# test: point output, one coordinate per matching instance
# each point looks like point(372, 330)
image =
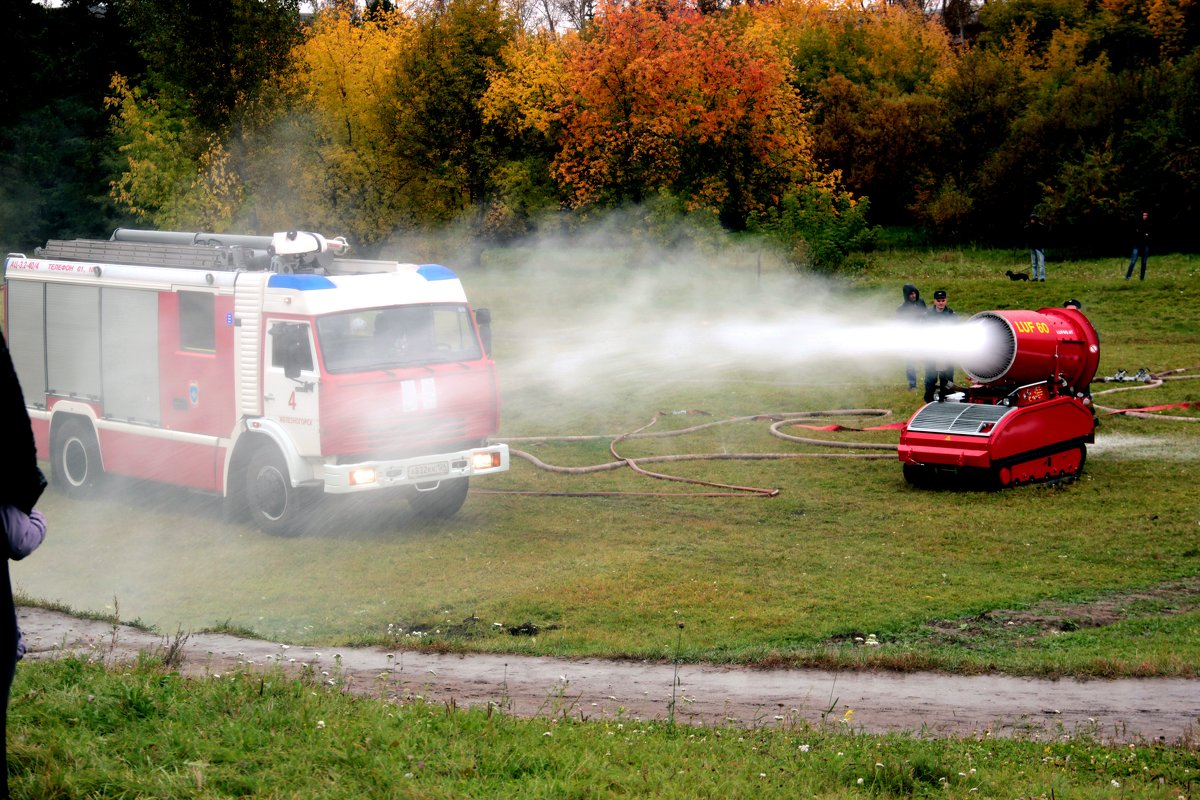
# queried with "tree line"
point(813, 123)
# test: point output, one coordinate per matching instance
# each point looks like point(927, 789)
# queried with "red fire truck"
point(266, 369)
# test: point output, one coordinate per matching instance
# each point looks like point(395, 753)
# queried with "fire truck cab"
point(266, 369)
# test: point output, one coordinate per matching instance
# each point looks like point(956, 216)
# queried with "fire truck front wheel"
point(275, 505)
point(442, 502)
point(76, 463)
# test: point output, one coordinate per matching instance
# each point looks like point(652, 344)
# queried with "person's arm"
point(23, 532)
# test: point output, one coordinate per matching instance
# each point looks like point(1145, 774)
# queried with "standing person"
point(24, 527)
point(913, 308)
point(938, 375)
point(1141, 245)
point(1035, 235)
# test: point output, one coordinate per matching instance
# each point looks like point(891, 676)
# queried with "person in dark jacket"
point(939, 376)
point(1141, 245)
point(24, 527)
point(913, 308)
point(1035, 234)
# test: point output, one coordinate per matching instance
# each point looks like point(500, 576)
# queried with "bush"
point(820, 226)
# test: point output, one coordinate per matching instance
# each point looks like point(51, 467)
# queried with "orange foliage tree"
point(670, 100)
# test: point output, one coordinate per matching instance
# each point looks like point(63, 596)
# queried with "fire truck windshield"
point(397, 336)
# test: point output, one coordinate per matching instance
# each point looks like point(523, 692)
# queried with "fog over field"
point(580, 326)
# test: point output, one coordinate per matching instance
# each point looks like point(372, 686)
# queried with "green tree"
point(55, 154)
point(215, 55)
point(181, 124)
point(868, 73)
point(439, 125)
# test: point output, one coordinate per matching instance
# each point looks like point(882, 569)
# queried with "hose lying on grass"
point(778, 421)
point(1155, 380)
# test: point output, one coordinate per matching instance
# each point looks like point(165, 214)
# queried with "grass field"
point(1097, 577)
point(80, 730)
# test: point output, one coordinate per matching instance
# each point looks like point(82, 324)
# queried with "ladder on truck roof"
point(217, 252)
point(180, 256)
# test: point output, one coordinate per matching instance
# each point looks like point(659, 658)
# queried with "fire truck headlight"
point(480, 461)
point(362, 476)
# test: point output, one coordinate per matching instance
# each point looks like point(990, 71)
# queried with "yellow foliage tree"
point(174, 177)
point(330, 164)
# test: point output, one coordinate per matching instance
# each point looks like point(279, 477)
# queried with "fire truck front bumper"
point(369, 475)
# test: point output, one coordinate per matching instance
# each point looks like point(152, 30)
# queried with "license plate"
point(426, 470)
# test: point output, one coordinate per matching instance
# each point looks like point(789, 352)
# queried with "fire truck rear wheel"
point(76, 466)
point(275, 505)
point(441, 503)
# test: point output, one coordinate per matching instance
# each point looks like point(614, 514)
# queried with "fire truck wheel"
point(275, 505)
point(76, 466)
point(441, 503)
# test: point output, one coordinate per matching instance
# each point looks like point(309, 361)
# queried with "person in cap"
point(24, 527)
point(939, 375)
point(913, 308)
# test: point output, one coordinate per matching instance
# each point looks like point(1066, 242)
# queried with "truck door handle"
point(268, 397)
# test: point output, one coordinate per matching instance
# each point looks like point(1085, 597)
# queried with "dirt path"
point(1162, 710)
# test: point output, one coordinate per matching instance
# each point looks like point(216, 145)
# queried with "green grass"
point(780, 580)
point(1099, 577)
point(77, 730)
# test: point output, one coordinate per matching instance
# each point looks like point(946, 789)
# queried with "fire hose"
point(778, 421)
point(1150, 381)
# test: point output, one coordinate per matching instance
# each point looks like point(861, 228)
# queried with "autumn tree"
point(867, 74)
point(684, 102)
point(522, 101)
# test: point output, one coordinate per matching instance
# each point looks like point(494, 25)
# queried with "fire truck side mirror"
point(290, 348)
point(483, 317)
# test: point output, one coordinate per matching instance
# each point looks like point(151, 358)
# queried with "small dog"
point(1016, 276)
